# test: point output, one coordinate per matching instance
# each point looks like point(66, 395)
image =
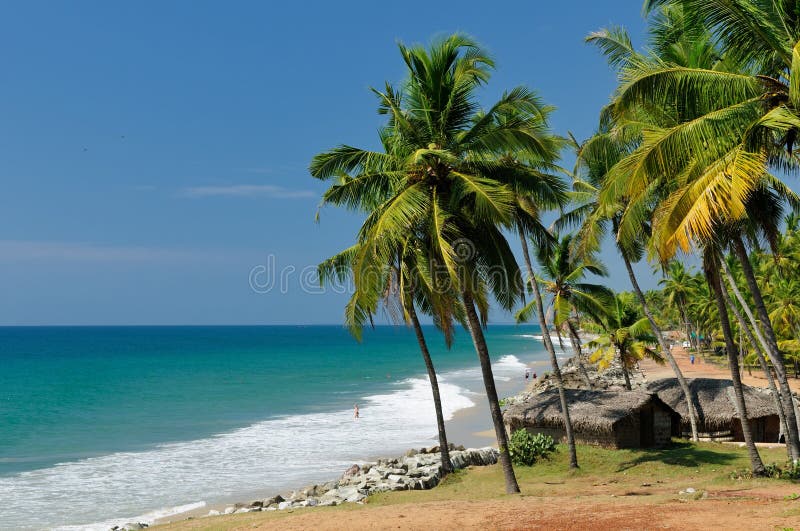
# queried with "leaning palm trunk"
point(756, 464)
point(760, 352)
point(548, 345)
point(760, 355)
point(478, 339)
point(792, 438)
point(444, 449)
point(687, 392)
point(576, 347)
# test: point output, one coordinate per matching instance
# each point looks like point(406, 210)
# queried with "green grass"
point(697, 465)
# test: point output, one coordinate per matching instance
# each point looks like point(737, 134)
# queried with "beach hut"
point(613, 419)
point(718, 418)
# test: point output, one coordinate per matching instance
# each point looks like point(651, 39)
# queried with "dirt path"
point(724, 509)
point(704, 369)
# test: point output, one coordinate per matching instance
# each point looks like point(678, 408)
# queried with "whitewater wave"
point(263, 458)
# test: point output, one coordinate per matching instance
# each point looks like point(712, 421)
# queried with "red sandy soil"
point(763, 508)
point(706, 369)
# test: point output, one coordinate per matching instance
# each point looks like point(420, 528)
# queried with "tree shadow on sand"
point(680, 453)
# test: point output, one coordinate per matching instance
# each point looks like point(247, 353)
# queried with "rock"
point(356, 498)
point(284, 505)
point(275, 499)
point(312, 502)
point(412, 452)
point(346, 492)
point(690, 490)
point(132, 526)
point(329, 503)
point(352, 471)
point(257, 503)
point(393, 471)
point(229, 510)
point(213, 512)
point(313, 490)
point(395, 477)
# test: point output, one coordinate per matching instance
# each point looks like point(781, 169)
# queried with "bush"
point(789, 471)
point(526, 449)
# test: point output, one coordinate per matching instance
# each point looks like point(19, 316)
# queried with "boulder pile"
point(417, 470)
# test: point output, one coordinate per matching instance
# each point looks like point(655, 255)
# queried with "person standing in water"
point(355, 411)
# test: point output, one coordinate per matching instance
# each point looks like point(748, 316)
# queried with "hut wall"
point(662, 426)
point(764, 429)
point(628, 432)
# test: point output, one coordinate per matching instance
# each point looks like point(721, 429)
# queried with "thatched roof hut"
point(618, 419)
point(715, 403)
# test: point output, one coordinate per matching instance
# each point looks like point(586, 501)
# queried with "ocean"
point(105, 425)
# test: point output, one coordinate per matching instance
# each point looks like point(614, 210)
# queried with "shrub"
point(790, 471)
point(526, 449)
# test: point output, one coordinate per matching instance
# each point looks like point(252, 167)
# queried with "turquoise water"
point(191, 413)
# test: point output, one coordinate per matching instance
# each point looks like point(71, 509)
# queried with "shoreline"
point(470, 427)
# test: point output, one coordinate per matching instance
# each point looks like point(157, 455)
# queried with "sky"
point(154, 155)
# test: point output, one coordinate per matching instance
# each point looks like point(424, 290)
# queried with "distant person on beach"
point(527, 374)
point(355, 411)
point(691, 359)
point(534, 376)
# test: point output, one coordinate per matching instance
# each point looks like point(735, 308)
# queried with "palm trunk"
point(444, 449)
point(478, 339)
point(689, 328)
point(760, 355)
point(625, 373)
point(576, 347)
point(551, 351)
point(713, 279)
point(792, 438)
point(687, 392)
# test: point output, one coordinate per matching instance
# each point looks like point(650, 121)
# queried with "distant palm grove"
point(689, 170)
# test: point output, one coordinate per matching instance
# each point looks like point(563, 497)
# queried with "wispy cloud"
point(259, 169)
point(22, 250)
point(247, 190)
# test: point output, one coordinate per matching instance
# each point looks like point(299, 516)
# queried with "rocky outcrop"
point(417, 470)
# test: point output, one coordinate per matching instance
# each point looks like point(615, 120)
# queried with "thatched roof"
point(589, 411)
point(714, 400)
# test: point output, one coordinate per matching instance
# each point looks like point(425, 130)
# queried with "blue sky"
point(153, 153)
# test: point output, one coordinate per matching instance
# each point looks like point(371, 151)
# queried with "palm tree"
point(626, 337)
point(711, 270)
point(680, 287)
point(443, 183)
point(757, 347)
point(709, 137)
point(673, 37)
point(595, 158)
point(562, 274)
point(545, 191)
point(403, 281)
